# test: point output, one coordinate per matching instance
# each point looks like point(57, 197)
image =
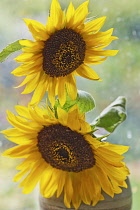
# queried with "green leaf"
point(84, 101)
point(11, 48)
point(112, 116)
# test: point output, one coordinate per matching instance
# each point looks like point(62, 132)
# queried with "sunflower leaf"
point(84, 101)
point(11, 48)
point(112, 115)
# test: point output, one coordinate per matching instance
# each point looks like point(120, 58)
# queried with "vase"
point(122, 201)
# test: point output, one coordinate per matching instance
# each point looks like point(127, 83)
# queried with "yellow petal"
point(30, 161)
point(61, 183)
point(12, 132)
point(104, 181)
point(30, 44)
point(94, 25)
point(61, 90)
point(62, 116)
point(23, 111)
point(108, 154)
point(92, 141)
point(87, 72)
point(46, 177)
point(99, 43)
point(120, 149)
point(21, 123)
point(37, 115)
point(91, 173)
point(89, 60)
point(37, 29)
point(36, 48)
point(119, 173)
point(26, 80)
point(40, 90)
point(117, 182)
point(98, 36)
point(103, 52)
point(71, 87)
point(19, 151)
point(85, 127)
point(70, 15)
point(33, 177)
point(76, 198)
point(27, 57)
point(56, 18)
point(23, 140)
point(28, 68)
point(68, 191)
point(52, 186)
point(27, 43)
point(84, 191)
point(73, 120)
point(52, 89)
point(80, 15)
point(19, 175)
point(31, 86)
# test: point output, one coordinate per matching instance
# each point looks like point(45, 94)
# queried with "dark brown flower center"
point(64, 52)
point(65, 149)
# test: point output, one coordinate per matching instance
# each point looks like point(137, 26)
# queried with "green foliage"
point(11, 48)
point(135, 185)
point(84, 101)
point(112, 115)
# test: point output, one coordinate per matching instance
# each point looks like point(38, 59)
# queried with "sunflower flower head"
point(61, 154)
point(63, 48)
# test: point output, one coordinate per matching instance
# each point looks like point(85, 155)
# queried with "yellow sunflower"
point(62, 49)
point(61, 154)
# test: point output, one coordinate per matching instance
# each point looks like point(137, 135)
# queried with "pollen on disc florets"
point(63, 53)
point(65, 149)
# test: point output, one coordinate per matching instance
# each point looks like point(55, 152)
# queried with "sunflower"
point(61, 154)
point(62, 49)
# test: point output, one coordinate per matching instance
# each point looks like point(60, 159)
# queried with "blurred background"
point(120, 76)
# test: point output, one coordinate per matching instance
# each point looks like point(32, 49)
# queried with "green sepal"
point(102, 137)
point(92, 132)
point(11, 48)
point(112, 115)
point(84, 101)
point(93, 127)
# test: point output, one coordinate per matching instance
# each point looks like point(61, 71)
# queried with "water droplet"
point(119, 19)
point(134, 32)
point(129, 134)
point(134, 189)
point(0, 143)
point(105, 9)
